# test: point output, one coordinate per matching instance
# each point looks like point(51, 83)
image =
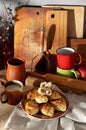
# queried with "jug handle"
point(6, 97)
point(3, 93)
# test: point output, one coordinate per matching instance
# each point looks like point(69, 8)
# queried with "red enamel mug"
point(67, 58)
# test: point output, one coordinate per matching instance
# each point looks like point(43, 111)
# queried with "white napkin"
point(66, 124)
point(77, 111)
point(76, 115)
point(18, 120)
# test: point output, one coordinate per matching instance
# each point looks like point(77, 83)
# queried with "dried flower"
point(6, 23)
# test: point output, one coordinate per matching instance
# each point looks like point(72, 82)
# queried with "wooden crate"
point(80, 46)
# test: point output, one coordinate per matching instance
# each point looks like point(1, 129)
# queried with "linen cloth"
point(74, 119)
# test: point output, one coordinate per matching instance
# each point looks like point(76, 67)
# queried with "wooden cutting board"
point(56, 29)
point(28, 21)
point(27, 33)
point(75, 19)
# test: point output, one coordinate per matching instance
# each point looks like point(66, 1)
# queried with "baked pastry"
point(31, 107)
point(55, 95)
point(39, 98)
point(47, 109)
point(59, 104)
point(45, 88)
point(34, 95)
point(31, 93)
point(45, 91)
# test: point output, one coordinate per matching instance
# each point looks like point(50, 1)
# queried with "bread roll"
point(39, 98)
point(59, 104)
point(34, 95)
point(31, 93)
point(55, 95)
point(31, 107)
point(47, 109)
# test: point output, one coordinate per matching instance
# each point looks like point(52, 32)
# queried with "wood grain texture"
point(27, 33)
point(27, 36)
point(56, 29)
point(75, 19)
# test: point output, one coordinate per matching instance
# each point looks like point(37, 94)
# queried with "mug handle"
point(76, 73)
point(4, 94)
point(80, 59)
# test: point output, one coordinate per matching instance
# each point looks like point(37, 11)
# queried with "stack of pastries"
point(44, 102)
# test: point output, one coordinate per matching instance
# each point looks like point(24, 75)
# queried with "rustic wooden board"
point(56, 29)
point(28, 22)
point(75, 19)
point(27, 33)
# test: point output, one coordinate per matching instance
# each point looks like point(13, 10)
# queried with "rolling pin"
point(66, 83)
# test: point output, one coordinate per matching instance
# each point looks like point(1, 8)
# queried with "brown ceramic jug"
point(16, 69)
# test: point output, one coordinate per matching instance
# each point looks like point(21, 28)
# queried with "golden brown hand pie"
point(31, 93)
point(55, 95)
point(39, 98)
point(31, 107)
point(47, 109)
point(59, 104)
point(34, 95)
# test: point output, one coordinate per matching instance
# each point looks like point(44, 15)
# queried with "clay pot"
point(16, 69)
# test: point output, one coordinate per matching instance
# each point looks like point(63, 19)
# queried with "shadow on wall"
point(71, 24)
